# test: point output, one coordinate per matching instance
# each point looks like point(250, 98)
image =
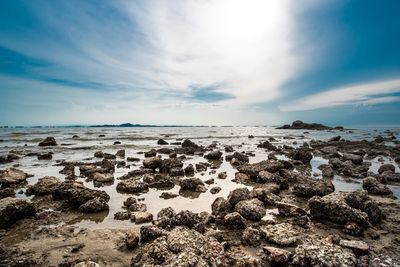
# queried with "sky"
point(199, 62)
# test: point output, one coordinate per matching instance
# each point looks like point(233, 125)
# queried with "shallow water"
point(135, 140)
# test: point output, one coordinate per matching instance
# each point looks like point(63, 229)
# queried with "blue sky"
point(214, 62)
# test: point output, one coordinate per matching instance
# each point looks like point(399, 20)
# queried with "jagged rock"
point(168, 195)
point(13, 209)
point(234, 221)
point(283, 234)
point(99, 154)
point(152, 163)
point(289, 210)
point(313, 187)
point(251, 237)
point(189, 143)
point(335, 138)
point(220, 206)
point(302, 155)
point(120, 153)
point(137, 207)
point(12, 176)
point(330, 150)
point(374, 187)
point(277, 255)
point(356, 159)
point(7, 192)
point(94, 205)
point(267, 145)
point(48, 141)
point(46, 156)
point(189, 170)
point(390, 177)
point(214, 155)
point(103, 177)
point(253, 170)
point(327, 171)
point(166, 212)
point(319, 253)
point(150, 154)
point(200, 167)
point(252, 209)
point(229, 149)
point(44, 186)
point(186, 218)
point(334, 207)
point(132, 186)
point(215, 190)
point(131, 239)
point(149, 233)
point(190, 183)
point(264, 195)
point(201, 188)
point(359, 200)
point(177, 171)
point(241, 157)
point(122, 215)
point(238, 195)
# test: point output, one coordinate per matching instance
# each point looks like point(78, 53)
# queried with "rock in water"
point(12, 176)
point(49, 141)
point(131, 239)
point(252, 209)
point(13, 209)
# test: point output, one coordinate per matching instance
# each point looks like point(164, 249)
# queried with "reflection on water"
point(135, 140)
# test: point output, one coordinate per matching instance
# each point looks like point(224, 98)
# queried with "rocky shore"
point(281, 211)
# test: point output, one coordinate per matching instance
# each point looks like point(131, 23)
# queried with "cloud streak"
point(368, 93)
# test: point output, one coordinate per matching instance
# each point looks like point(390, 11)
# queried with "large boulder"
point(214, 155)
point(374, 187)
point(149, 233)
point(220, 206)
point(253, 170)
point(234, 221)
point(45, 186)
point(48, 141)
point(283, 234)
point(238, 195)
point(241, 157)
point(152, 163)
point(14, 209)
point(190, 183)
point(94, 205)
point(356, 159)
point(264, 195)
point(252, 209)
point(301, 154)
point(12, 176)
point(386, 167)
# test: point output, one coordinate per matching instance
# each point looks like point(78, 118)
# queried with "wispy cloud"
point(368, 93)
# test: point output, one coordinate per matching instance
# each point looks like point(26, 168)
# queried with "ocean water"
point(140, 139)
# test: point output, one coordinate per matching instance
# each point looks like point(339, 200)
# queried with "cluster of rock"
point(299, 125)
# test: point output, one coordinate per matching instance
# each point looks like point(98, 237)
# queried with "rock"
point(141, 217)
point(253, 170)
point(12, 176)
point(390, 176)
point(150, 154)
point(132, 159)
point(200, 167)
point(229, 149)
point(131, 239)
point(327, 171)
point(77, 194)
point(162, 142)
point(313, 187)
point(201, 188)
point(149, 233)
point(220, 206)
point(267, 145)
point(330, 150)
point(46, 156)
point(334, 208)
point(386, 167)
point(122, 215)
point(289, 210)
point(48, 141)
point(190, 183)
point(13, 209)
point(241, 157)
point(132, 186)
point(209, 181)
point(252, 209)
point(251, 237)
point(103, 177)
point(215, 190)
point(214, 155)
point(238, 195)
point(336, 163)
point(352, 228)
point(335, 138)
point(283, 234)
point(120, 153)
point(234, 221)
point(266, 177)
point(277, 255)
point(299, 125)
point(222, 175)
point(176, 171)
point(166, 212)
point(358, 247)
point(189, 170)
point(45, 186)
point(137, 207)
point(302, 155)
point(356, 159)
point(99, 154)
point(374, 187)
point(359, 200)
point(168, 195)
point(319, 253)
point(7, 192)
point(186, 218)
point(94, 205)
point(189, 143)
point(264, 195)
point(152, 163)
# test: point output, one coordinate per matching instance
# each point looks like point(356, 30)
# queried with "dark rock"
point(241, 157)
point(290, 210)
point(299, 125)
point(220, 206)
point(162, 142)
point(214, 155)
point(264, 195)
point(48, 141)
point(176, 171)
point(152, 163)
point(215, 190)
point(13, 209)
point(141, 217)
point(371, 185)
point(356, 159)
point(149, 233)
point(313, 187)
point(253, 170)
point(335, 138)
point(47, 156)
point(386, 167)
point(132, 186)
point(150, 154)
point(302, 155)
point(166, 212)
point(99, 154)
point(45, 186)
point(189, 170)
point(238, 195)
point(120, 153)
point(252, 209)
point(200, 167)
point(186, 218)
point(165, 150)
point(358, 247)
point(168, 195)
point(251, 237)
point(131, 159)
point(190, 183)
point(390, 176)
point(229, 149)
point(131, 239)
point(189, 143)
point(7, 192)
point(234, 221)
point(283, 234)
point(12, 176)
point(122, 215)
point(94, 205)
point(277, 255)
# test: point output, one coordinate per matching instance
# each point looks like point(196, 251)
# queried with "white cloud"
point(368, 93)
